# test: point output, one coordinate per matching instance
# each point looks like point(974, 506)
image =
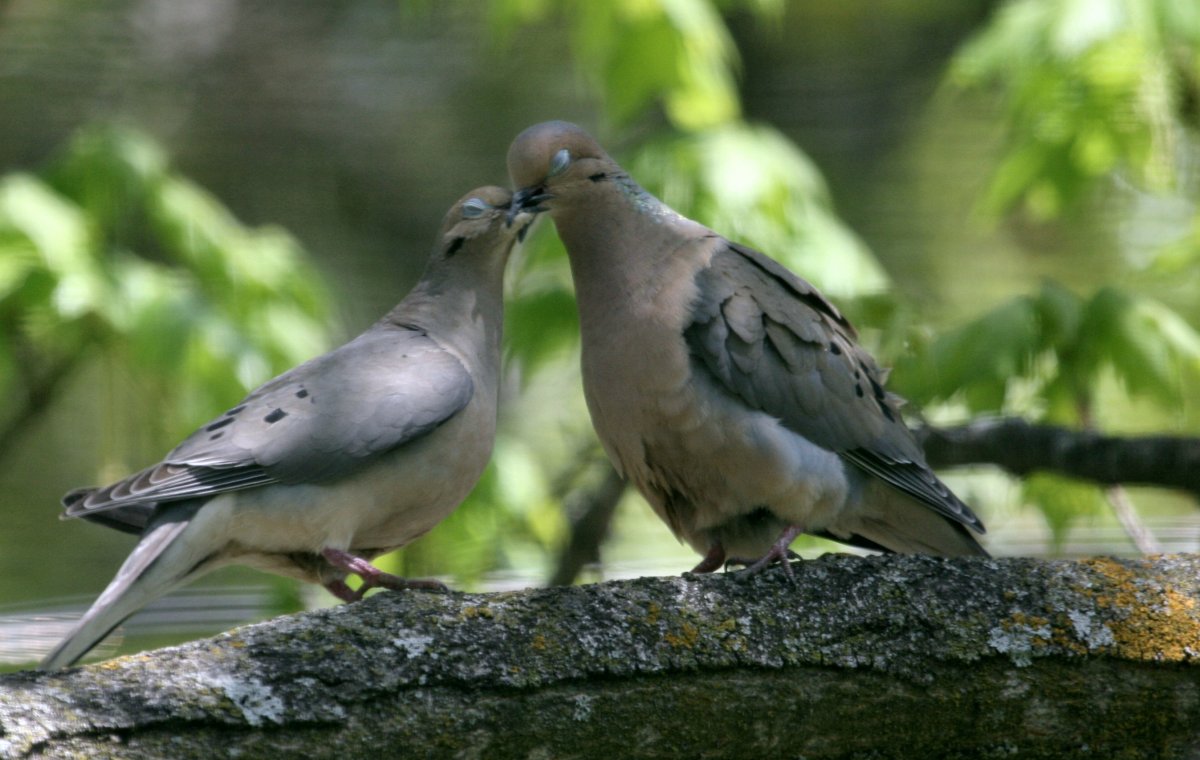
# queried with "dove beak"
point(528, 200)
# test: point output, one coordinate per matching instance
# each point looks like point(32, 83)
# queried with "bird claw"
point(714, 559)
point(372, 577)
point(773, 555)
point(779, 552)
point(339, 589)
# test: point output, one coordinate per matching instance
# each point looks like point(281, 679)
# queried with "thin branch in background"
point(1118, 498)
point(1127, 515)
point(1014, 445)
point(1021, 448)
point(595, 509)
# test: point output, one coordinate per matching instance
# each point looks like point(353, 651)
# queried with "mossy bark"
point(875, 657)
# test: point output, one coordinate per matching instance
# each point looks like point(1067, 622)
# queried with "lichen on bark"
point(861, 657)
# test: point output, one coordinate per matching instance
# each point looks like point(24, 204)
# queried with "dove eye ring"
point(474, 208)
point(559, 163)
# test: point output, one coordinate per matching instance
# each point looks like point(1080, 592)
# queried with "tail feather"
point(127, 518)
point(896, 522)
point(160, 562)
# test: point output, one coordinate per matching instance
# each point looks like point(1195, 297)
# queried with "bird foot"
point(779, 552)
point(339, 589)
point(372, 577)
point(712, 560)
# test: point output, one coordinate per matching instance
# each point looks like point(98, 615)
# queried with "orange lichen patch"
point(1148, 621)
point(727, 625)
point(1028, 621)
point(687, 637)
point(539, 643)
point(653, 610)
point(1020, 635)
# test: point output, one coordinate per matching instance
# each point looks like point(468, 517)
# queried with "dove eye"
point(558, 164)
point(474, 207)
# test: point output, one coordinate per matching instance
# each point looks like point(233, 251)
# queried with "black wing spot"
point(415, 328)
point(219, 424)
point(235, 411)
point(858, 391)
point(878, 389)
point(302, 393)
point(455, 244)
point(217, 435)
point(598, 177)
point(275, 416)
point(836, 350)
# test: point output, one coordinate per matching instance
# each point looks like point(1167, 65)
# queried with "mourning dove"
point(350, 455)
point(727, 389)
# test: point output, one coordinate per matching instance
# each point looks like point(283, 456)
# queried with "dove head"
point(463, 283)
point(549, 160)
point(479, 225)
point(474, 243)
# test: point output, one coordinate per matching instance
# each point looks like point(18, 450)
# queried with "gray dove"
point(727, 389)
point(346, 457)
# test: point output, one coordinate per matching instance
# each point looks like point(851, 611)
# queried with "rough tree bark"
point(879, 657)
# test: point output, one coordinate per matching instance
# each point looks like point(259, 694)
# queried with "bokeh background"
point(196, 196)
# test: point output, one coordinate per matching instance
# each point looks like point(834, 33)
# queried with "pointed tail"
point(892, 520)
point(160, 562)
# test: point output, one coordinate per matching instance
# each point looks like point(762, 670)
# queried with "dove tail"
point(159, 563)
point(894, 521)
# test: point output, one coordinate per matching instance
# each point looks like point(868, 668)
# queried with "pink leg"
point(372, 577)
point(712, 560)
point(339, 589)
point(777, 553)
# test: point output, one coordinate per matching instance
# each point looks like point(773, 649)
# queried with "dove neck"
point(461, 307)
point(619, 242)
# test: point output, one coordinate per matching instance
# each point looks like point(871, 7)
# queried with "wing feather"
point(775, 342)
point(317, 422)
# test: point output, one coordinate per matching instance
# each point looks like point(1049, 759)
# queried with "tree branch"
point(1021, 448)
point(590, 528)
point(881, 657)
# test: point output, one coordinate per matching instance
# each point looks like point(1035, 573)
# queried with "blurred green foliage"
point(111, 254)
point(1043, 355)
point(1094, 94)
point(640, 55)
point(1089, 91)
point(1089, 88)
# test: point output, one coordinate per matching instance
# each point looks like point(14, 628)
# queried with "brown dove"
point(350, 455)
point(731, 392)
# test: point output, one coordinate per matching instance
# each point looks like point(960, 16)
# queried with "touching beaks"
point(527, 201)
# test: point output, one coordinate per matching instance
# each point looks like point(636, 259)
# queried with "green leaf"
point(1146, 343)
point(1062, 502)
point(18, 259)
point(51, 223)
point(1089, 88)
point(976, 362)
point(108, 170)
